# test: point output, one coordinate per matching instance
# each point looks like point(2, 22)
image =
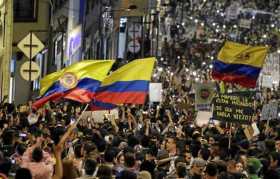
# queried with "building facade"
point(29, 16)
point(73, 30)
point(6, 29)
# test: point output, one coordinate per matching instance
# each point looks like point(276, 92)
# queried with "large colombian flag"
point(127, 85)
point(240, 64)
point(85, 77)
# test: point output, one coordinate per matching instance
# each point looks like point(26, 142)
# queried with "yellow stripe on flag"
point(235, 53)
point(95, 69)
point(140, 69)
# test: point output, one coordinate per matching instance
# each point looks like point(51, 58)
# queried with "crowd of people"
point(155, 140)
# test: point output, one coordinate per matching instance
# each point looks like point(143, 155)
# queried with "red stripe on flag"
point(40, 102)
point(121, 97)
point(237, 79)
point(80, 95)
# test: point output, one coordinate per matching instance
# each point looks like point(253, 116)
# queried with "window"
point(25, 10)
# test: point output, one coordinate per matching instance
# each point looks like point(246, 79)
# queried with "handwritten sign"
point(270, 111)
point(270, 71)
point(251, 131)
point(233, 108)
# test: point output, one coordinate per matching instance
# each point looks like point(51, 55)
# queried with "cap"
point(254, 164)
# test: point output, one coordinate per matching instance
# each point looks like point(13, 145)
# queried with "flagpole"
point(230, 136)
point(80, 117)
point(71, 128)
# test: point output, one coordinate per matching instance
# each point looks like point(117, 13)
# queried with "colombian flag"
point(85, 77)
point(240, 64)
point(128, 84)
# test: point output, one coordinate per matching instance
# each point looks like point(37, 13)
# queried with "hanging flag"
point(240, 64)
point(127, 85)
point(85, 77)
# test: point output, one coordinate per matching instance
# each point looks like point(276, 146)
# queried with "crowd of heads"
point(196, 29)
point(154, 140)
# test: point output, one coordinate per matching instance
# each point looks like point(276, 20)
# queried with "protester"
point(160, 140)
point(157, 139)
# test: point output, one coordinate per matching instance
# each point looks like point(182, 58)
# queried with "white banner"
point(256, 129)
point(271, 68)
point(266, 81)
point(232, 11)
point(270, 111)
point(155, 93)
